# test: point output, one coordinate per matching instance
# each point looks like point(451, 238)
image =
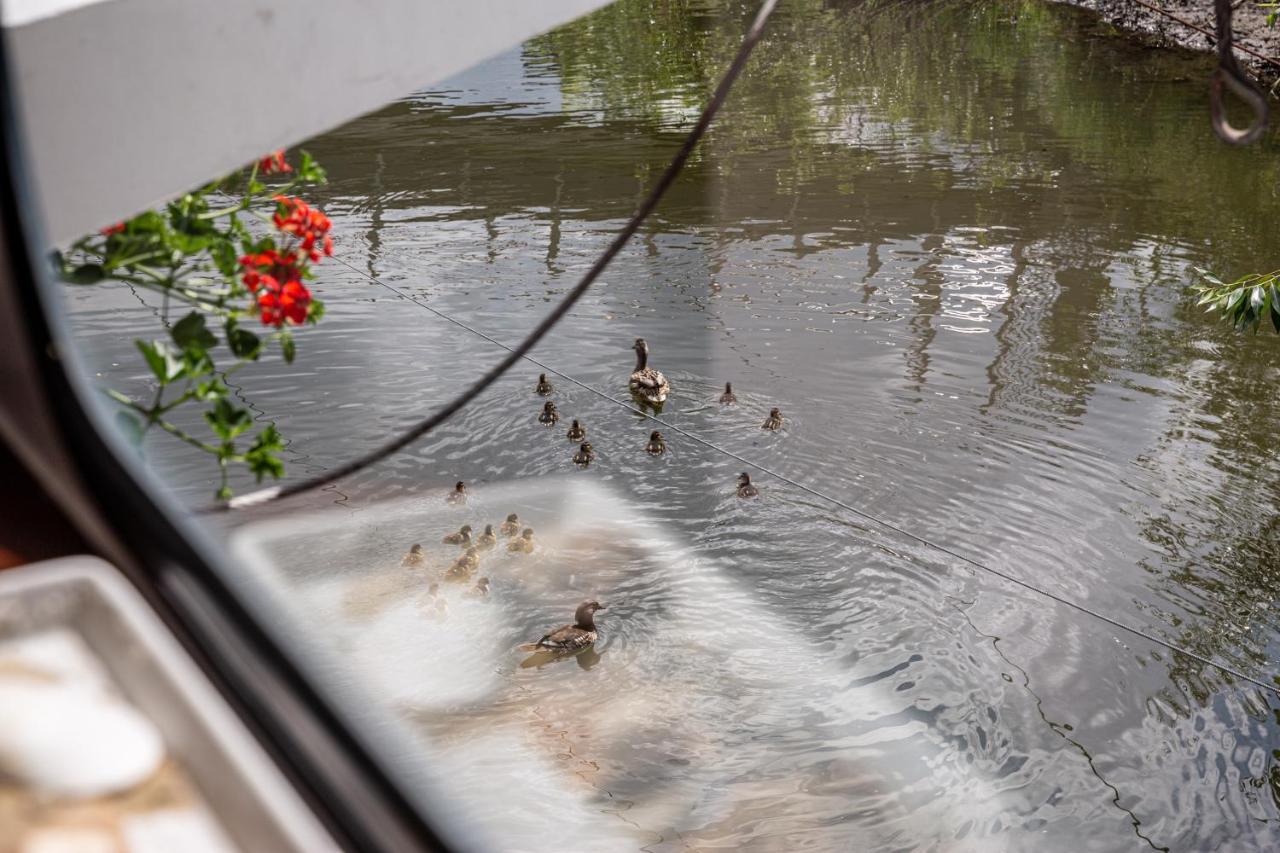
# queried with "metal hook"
point(1228, 72)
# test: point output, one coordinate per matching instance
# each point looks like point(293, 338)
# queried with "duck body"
point(577, 432)
point(511, 526)
point(543, 387)
point(459, 494)
point(745, 488)
point(485, 541)
point(773, 423)
point(657, 444)
point(585, 455)
point(549, 415)
point(523, 545)
point(570, 638)
point(463, 567)
point(480, 590)
point(728, 398)
point(462, 537)
point(647, 383)
point(414, 559)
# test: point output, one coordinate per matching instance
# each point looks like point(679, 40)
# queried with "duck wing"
point(564, 637)
point(649, 378)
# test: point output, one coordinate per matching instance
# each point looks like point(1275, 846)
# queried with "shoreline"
point(1249, 24)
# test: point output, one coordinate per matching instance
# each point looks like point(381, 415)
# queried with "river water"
point(953, 243)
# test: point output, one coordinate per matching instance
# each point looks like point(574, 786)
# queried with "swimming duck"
point(576, 432)
point(524, 544)
point(439, 610)
point(656, 444)
point(585, 455)
point(511, 526)
point(462, 537)
point(745, 489)
point(646, 383)
point(414, 558)
point(570, 638)
point(464, 567)
point(728, 398)
point(486, 540)
point(549, 414)
point(480, 590)
point(774, 421)
point(459, 493)
point(544, 387)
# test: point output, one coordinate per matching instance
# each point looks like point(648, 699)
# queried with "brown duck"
point(570, 638)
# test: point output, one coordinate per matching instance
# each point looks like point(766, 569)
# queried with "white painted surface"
point(129, 102)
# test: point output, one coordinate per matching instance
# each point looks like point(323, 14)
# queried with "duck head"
point(460, 488)
point(483, 584)
point(415, 548)
point(465, 530)
point(655, 437)
point(488, 530)
point(728, 387)
point(642, 353)
point(775, 413)
point(527, 533)
point(744, 479)
point(542, 379)
point(585, 614)
point(586, 447)
point(548, 407)
point(513, 517)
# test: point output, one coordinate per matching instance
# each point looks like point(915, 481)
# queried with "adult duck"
point(647, 383)
point(570, 638)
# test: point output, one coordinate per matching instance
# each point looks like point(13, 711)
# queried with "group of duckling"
point(650, 388)
point(468, 563)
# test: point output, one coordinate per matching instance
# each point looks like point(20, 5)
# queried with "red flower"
point(118, 228)
point(274, 163)
point(276, 280)
point(294, 216)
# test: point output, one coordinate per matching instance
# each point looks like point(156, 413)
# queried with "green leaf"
point(84, 274)
point(261, 457)
point(243, 343)
point(309, 170)
point(211, 389)
point(190, 333)
point(315, 311)
point(130, 426)
point(164, 365)
point(287, 347)
point(224, 257)
point(228, 420)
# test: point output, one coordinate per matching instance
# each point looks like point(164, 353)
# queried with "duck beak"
point(603, 607)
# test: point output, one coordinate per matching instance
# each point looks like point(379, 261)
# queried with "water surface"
point(953, 244)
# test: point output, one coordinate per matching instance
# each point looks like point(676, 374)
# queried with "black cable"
point(548, 323)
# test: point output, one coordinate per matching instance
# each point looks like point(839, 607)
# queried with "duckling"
point(524, 544)
point(570, 638)
point(462, 537)
point(549, 414)
point(647, 383)
point(657, 445)
point(728, 398)
point(585, 455)
point(439, 611)
point(745, 489)
point(464, 567)
point(480, 590)
point(577, 432)
point(485, 541)
point(544, 387)
point(459, 493)
point(773, 422)
point(415, 558)
point(511, 526)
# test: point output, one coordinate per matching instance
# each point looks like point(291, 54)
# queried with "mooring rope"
point(448, 410)
point(817, 493)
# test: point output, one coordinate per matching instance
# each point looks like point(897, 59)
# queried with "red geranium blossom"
point(276, 279)
point(294, 216)
point(118, 228)
point(274, 163)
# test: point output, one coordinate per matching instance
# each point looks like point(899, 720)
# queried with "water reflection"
point(953, 248)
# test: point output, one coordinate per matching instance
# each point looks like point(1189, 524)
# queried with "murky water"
point(952, 244)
